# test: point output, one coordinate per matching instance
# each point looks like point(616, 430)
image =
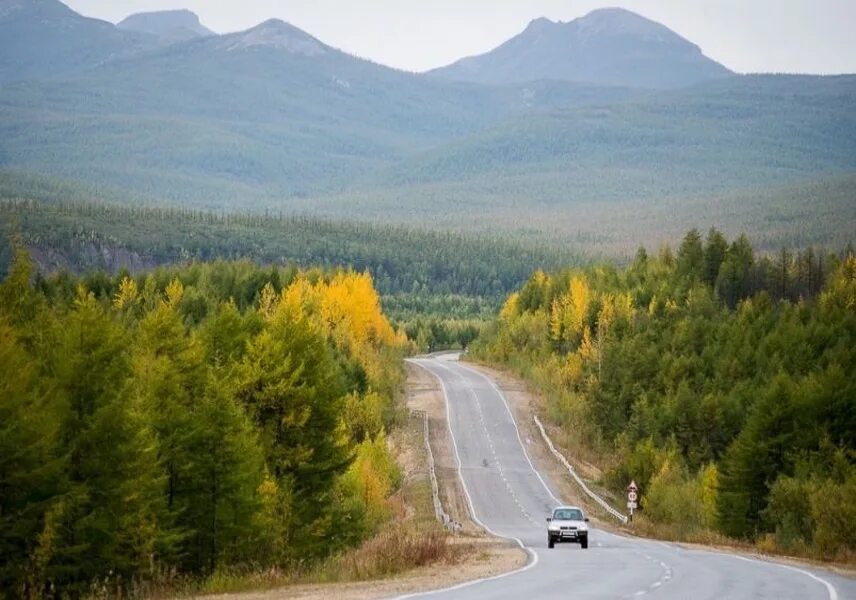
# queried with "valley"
point(234, 259)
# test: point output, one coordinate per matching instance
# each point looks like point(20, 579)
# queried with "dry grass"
point(396, 550)
point(392, 552)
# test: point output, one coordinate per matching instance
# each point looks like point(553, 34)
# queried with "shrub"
point(833, 511)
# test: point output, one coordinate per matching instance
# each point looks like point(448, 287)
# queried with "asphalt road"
point(510, 498)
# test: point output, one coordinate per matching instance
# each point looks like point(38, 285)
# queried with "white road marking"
point(533, 556)
point(516, 428)
point(472, 393)
point(830, 589)
point(668, 574)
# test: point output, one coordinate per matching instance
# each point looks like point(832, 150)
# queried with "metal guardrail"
point(603, 503)
point(441, 514)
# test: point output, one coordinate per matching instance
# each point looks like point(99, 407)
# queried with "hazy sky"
point(797, 36)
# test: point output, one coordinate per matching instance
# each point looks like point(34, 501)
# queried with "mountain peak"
point(174, 25)
point(45, 37)
point(275, 33)
point(608, 46)
point(619, 21)
point(540, 23)
point(613, 12)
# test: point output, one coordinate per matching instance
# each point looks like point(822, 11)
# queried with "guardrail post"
point(441, 514)
point(600, 501)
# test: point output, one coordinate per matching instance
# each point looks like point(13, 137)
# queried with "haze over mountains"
point(609, 107)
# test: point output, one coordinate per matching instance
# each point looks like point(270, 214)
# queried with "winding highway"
point(510, 498)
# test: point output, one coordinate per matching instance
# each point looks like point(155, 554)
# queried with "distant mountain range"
point(610, 46)
point(271, 107)
point(603, 108)
point(169, 25)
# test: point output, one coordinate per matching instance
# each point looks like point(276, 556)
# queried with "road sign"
point(632, 498)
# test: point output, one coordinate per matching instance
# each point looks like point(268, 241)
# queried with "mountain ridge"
point(609, 46)
point(270, 108)
point(272, 116)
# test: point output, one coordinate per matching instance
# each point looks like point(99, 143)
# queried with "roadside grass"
point(765, 545)
point(392, 552)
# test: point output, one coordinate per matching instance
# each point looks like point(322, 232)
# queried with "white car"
point(567, 524)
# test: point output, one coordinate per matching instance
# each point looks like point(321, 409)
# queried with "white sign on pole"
point(632, 498)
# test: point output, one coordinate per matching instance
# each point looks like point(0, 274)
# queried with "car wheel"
point(550, 542)
point(584, 544)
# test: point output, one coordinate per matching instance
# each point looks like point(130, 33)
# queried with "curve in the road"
point(533, 556)
point(507, 494)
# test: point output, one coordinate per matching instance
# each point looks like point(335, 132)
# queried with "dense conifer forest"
point(439, 287)
point(190, 420)
point(83, 237)
point(719, 379)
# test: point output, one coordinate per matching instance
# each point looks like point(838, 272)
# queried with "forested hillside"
point(439, 287)
point(260, 148)
point(192, 420)
point(83, 237)
point(738, 132)
point(719, 379)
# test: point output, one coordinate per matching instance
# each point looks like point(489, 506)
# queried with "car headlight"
point(554, 528)
point(583, 527)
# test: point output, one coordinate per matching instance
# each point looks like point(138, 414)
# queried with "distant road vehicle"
point(567, 524)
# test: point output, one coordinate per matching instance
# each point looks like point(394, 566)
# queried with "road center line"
point(533, 555)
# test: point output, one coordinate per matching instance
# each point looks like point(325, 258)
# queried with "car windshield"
point(568, 514)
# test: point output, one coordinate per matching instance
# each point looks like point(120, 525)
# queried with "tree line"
point(189, 420)
point(438, 286)
point(402, 260)
point(719, 379)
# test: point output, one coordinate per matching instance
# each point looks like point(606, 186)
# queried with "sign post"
point(632, 498)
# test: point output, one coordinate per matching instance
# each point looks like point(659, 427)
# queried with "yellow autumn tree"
point(568, 312)
point(587, 349)
point(580, 298)
point(127, 296)
point(708, 490)
point(558, 309)
point(510, 308)
point(624, 307)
